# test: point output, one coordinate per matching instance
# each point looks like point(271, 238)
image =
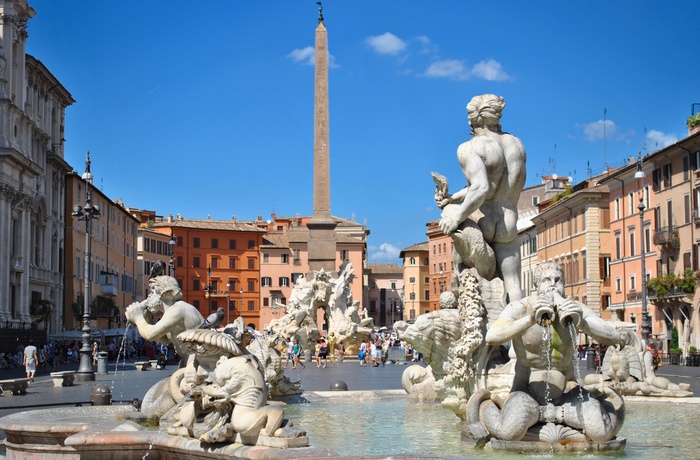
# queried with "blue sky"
point(206, 108)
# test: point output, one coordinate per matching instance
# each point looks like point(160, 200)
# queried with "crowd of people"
point(54, 354)
point(373, 352)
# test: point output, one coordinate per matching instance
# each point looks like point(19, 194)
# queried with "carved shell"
point(554, 433)
point(208, 342)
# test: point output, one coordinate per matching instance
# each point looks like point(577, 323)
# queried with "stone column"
point(322, 240)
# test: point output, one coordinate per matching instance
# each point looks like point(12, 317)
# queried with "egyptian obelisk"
point(322, 242)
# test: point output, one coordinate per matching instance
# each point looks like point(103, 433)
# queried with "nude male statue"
point(544, 371)
point(493, 162)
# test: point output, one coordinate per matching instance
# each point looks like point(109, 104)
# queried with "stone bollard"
point(339, 386)
point(101, 395)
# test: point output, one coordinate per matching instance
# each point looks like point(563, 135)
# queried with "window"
point(618, 284)
point(266, 281)
point(667, 175)
point(633, 282)
point(413, 261)
point(231, 285)
point(647, 239)
point(284, 258)
point(231, 262)
point(535, 200)
point(656, 179)
point(393, 285)
point(630, 204)
point(251, 263)
point(686, 167)
point(251, 305)
point(195, 285)
point(195, 243)
point(214, 262)
point(344, 255)
point(686, 208)
point(251, 244)
point(631, 239)
point(232, 244)
point(214, 305)
point(617, 208)
point(251, 285)
point(266, 258)
point(284, 281)
point(179, 241)
point(195, 262)
point(618, 246)
point(195, 304)
point(412, 279)
point(214, 243)
point(296, 276)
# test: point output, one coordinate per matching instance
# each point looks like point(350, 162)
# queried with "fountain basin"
point(351, 424)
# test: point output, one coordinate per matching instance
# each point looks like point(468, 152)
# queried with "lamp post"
point(241, 304)
point(646, 326)
point(171, 243)
point(228, 312)
point(86, 213)
point(209, 287)
point(413, 300)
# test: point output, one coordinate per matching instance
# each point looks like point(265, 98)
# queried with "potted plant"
point(693, 123)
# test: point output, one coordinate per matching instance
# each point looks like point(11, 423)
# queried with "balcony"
point(667, 236)
point(672, 292)
point(109, 289)
point(633, 296)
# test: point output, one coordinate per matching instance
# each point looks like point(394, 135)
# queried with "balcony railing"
point(666, 236)
point(671, 292)
point(632, 296)
point(212, 293)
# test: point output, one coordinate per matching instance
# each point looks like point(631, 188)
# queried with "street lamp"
point(86, 213)
point(171, 243)
point(241, 305)
point(646, 326)
point(413, 300)
point(209, 286)
point(228, 313)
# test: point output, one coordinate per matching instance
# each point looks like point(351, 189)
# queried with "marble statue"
point(628, 368)
point(501, 362)
point(543, 329)
point(334, 296)
point(485, 212)
point(222, 393)
point(172, 314)
point(278, 384)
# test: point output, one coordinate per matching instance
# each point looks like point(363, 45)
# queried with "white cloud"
point(656, 140)
point(490, 70)
point(387, 43)
point(307, 56)
point(303, 55)
point(596, 130)
point(450, 68)
point(386, 252)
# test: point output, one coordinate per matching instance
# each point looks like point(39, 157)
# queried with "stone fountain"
point(503, 363)
point(214, 406)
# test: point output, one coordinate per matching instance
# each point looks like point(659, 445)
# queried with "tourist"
point(297, 355)
point(290, 353)
point(654, 355)
point(341, 352)
point(373, 354)
point(323, 353)
point(317, 353)
point(42, 359)
point(362, 353)
point(541, 373)
point(3, 361)
point(30, 359)
point(57, 357)
point(493, 162)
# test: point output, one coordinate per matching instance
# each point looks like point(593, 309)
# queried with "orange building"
point(440, 267)
point(416, 280)
point(285, 258)
point(112, 270)
point(217, 264)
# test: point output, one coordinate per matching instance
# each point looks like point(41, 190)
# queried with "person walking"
point(290, 353)
point(95, 349)
point(297, 355)
point(30, 359)
point(323, 353)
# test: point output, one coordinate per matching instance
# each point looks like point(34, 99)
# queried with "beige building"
point(385, 292)
point(573, 230)
point(32, 186)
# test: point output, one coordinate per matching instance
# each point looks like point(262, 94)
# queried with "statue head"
point(166, 288)
point(448, 300)
point(485, 110)
point(549, 277)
